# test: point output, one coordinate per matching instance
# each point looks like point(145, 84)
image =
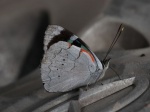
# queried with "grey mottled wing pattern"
point(64, 68)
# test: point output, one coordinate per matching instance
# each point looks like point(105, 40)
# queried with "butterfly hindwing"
point(68, 69)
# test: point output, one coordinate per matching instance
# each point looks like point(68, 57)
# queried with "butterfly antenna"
point(120, 29)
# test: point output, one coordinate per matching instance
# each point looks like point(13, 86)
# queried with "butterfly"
point(68, 63)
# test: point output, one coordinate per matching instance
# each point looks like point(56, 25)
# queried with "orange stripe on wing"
point(92, 57)
point(69, 45)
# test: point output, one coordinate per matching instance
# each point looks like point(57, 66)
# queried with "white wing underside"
point(51, 31)
point(65, 67)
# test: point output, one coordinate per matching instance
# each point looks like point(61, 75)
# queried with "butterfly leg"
point(115, 73)
point(99, 82)
point(87, 87)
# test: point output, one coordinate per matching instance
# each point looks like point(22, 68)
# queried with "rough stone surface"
point(97, 27)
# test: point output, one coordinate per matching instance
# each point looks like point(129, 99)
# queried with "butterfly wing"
point(50, 33)
point(65, 66)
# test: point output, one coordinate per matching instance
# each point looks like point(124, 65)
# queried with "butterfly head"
point(106, 63)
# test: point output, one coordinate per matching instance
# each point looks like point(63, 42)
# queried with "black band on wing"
point(63, 36)
point(76, 43)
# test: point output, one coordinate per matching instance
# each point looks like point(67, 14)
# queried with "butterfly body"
point(68, 63)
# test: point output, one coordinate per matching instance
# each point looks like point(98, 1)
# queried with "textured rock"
point(130, 57)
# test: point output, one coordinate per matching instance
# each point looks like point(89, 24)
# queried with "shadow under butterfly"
point(68, 63)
